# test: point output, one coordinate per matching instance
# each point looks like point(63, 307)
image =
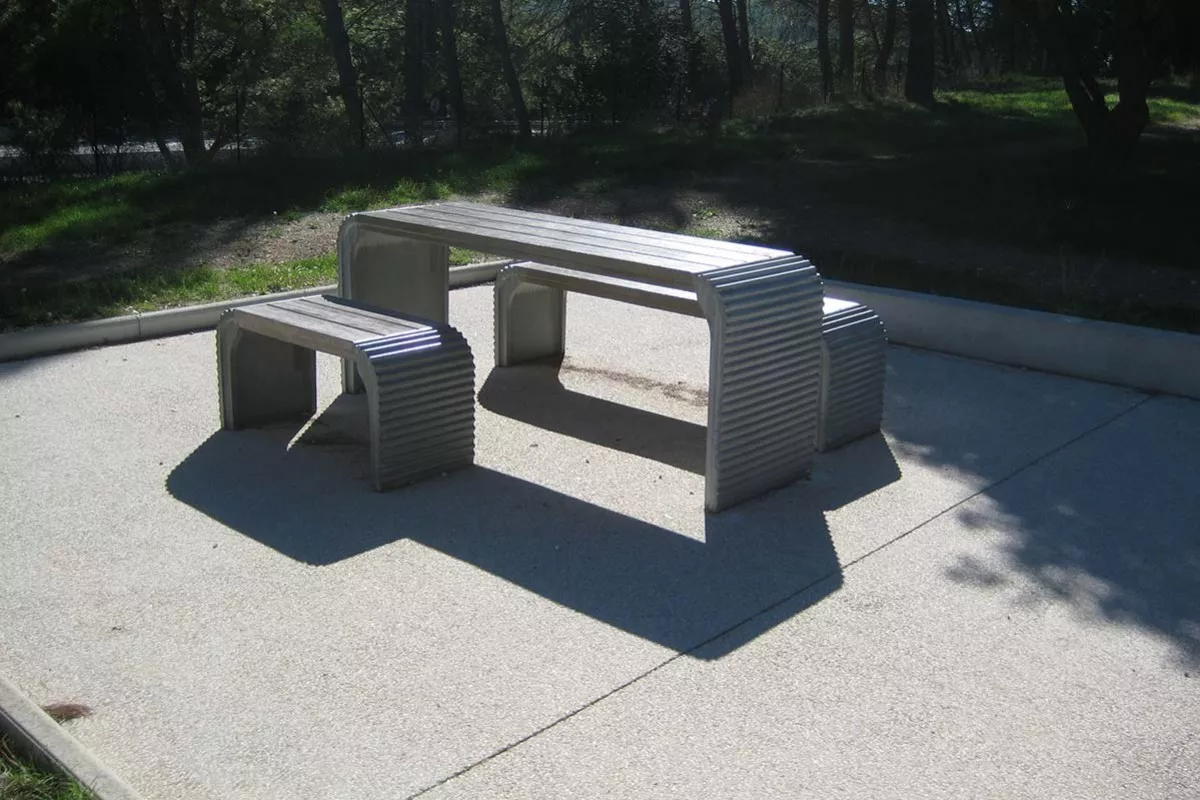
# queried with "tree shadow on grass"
point(655, 583)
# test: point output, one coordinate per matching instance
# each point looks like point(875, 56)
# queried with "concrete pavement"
point(999, 597)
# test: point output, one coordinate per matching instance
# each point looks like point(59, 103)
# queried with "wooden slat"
point(319, 324)
point(679, 301)
point(288, 326)
point(567, 236)
point(369, 322)
point(542, 248)
point(623, 237)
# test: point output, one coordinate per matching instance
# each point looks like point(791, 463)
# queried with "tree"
point(823, 49)
point(846, 45)
point(885, 47)
point(743, 15)
point(1137, 39)
point(500, 33)
point(447, 22)
point(196, 57)
point(339, 45)
point(414, 68)
point(734, 60)
point(918, 78)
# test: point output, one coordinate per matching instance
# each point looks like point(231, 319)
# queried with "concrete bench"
point(419, 377)
point(531, 315)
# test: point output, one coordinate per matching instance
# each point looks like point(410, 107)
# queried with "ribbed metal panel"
point(853, 353)
point(421, 394)
point(767, 353)
point(763, 376)
point(419, 376)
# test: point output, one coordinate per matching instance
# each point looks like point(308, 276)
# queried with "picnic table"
point(763, 306)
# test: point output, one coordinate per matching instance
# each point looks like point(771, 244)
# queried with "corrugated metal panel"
point(419, 377)
point(422, 399)
point(763, 376)
point(853, 353)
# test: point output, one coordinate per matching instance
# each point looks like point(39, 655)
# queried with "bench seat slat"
point(320, 323)
point(370, 322)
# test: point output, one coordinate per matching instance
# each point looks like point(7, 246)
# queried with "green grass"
point(1045, 100)
point(151, 290)
point(20, 779)
point(993, 164)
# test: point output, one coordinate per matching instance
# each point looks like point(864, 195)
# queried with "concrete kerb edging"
point(172, 321)
point(1126, 355)
point(47, 743)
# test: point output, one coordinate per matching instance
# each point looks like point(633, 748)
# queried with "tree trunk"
point(1131, 115)
point(689, 46)
point(414, 71)
point(733, 50)
point(918, 77)
point(524, 131)
point(447, 21)
point(743, 15)
point(1111, 135)
point(885, 47)
point(685, 17)
point(846, 46)
point(823, 49)
point(945, 38)
point(339, 43)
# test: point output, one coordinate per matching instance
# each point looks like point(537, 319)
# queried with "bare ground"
point(805, 221)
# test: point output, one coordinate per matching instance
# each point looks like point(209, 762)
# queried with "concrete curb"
point(46, 742)
point(135, 327)
point(1126, 355)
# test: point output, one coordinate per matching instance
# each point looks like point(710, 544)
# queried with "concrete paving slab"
point(1041, 639)
point(249, 620)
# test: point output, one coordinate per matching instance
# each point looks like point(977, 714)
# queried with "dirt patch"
point(754, 204)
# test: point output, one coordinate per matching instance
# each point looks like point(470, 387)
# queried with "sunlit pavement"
point(998, 597)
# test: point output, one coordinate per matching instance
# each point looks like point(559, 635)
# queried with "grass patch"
point(20, 779)
point(152, 290)
point(1000, 163)
point(149, 290)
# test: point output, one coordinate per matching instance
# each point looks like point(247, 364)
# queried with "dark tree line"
point(309, 75)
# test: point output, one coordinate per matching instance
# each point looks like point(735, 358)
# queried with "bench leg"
point(853, 364)
point(393, 273)
point(764, 372)
point(531, 321)
point(263, 380)
point(421, 401)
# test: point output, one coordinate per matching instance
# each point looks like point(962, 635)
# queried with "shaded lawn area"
point(995, 164)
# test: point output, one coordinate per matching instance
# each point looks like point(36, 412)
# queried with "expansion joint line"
point(806, 589)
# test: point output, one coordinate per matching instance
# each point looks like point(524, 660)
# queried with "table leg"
point(531, 320)
point(387, 270)
point(764, 373)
